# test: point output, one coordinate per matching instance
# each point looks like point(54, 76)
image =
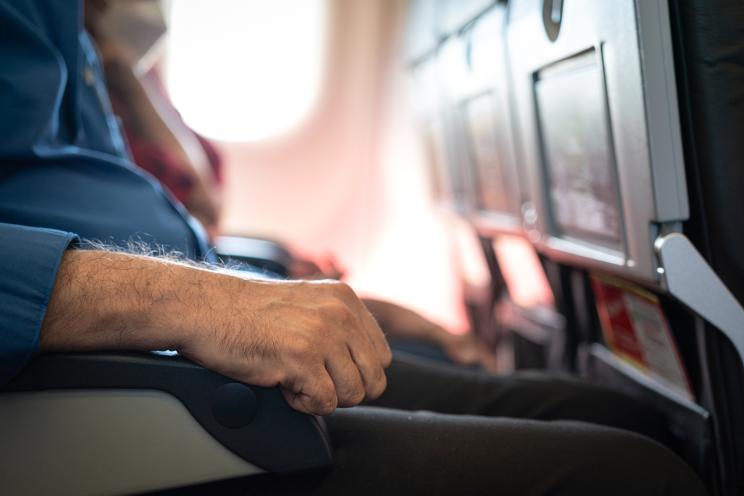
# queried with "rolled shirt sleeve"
point(29, 261)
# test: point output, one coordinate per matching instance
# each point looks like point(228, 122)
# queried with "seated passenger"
point(65, 177)
point(189, 166)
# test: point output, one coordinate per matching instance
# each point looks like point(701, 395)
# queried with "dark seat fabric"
point(709, 59)
point(710, 64)
point(439, 430)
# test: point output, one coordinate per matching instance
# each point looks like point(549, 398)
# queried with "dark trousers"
point(442, 430)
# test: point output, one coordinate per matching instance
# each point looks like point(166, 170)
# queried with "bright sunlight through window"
point(245, 70)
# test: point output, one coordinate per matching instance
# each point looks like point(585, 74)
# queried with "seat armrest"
point(261, 253)
point(255, 423)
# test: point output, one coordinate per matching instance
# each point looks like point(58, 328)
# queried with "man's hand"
point(315, 340)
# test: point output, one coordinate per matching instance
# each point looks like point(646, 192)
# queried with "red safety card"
point(637, 331)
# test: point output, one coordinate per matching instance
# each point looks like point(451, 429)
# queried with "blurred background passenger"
point(129, 38)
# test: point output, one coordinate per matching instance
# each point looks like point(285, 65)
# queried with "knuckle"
point(387, 357)
point(327, 404)
point(321, 398)
point(327, 408)
point(380, 375)
point(344, 290)
point(326, 390)
point(357, 391)
point(337, 311)
point(357, 396)
point(353, 396)
point(378, 387)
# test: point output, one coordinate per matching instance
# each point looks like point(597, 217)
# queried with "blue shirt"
point(65, 172)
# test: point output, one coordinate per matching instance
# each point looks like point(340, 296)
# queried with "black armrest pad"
point(255, 423)
point(261, 253)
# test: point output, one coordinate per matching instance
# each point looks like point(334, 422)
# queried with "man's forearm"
point(315, 340)
point(106, 300)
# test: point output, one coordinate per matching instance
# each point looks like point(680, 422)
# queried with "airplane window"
point(245, 70)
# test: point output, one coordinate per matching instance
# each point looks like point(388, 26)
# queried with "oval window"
point(245, 70)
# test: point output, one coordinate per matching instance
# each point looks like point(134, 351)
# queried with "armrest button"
point(234, 405)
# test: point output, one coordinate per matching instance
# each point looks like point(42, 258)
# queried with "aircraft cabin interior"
point(512, 188)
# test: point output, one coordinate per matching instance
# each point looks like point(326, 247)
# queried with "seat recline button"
point(234, 405)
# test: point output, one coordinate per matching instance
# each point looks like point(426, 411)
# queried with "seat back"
point(709, 58)
point(463, 88)
point(629, 122)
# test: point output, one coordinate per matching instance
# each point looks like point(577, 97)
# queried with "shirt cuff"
point(29, 261)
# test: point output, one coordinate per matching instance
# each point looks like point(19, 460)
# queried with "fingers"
point(372, 372)
point(320, 386)
point(317, 340)
point(346, 377)
point(368, 362)
point(376, 336)
point(311, 393)
point(343, 373)
point(369, 324)
point(339, 384)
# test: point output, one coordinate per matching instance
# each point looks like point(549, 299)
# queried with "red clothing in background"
point(160, 162)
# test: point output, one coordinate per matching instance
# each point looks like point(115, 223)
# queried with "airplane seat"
point(458, 64)
point(523, 319)
point(120, 423)
point(629, 117)
point(709, 53)
point(435, 60)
